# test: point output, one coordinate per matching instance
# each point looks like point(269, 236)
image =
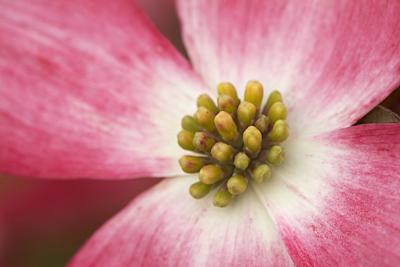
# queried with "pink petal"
point(336, 199)
point(89, 90)
point(166, 227)
point(333, 60)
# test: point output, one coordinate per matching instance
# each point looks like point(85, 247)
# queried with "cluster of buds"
point(236, 141)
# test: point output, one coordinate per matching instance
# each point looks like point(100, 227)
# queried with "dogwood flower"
point(91, 89)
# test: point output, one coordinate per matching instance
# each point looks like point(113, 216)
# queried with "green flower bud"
point(246, 113)
point(279, 132)
point(275, 155)
point(192, 164)
point(226, 126)
point(261, 173)
point(203, 142)
point(237, 184)
point(205, 118)
point(222, 198)
point(227, 103)
point(189, 123)
point(206, 101)
point(228, 89)
point(252, 139)
point(241, 161)
point(222, 152)
point(273, 97)
point(241, 153)
point(262, 123)
point(254, 93)
point(277, 111)
point(210, 174)
point(185, 140)
point(199, 190)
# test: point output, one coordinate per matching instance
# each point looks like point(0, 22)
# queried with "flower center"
point(237, 142)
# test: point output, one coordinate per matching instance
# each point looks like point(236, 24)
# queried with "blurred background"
point(44, 222)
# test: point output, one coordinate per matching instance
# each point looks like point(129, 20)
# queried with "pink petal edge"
point(89, 89)
point(166, 227)
point(332, 60)
point(336, 200)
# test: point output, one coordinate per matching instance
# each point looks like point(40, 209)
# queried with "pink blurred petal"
point(166, 227)
point(36, 214)
point(89, 89)
point(333, 60)
point(336, 199)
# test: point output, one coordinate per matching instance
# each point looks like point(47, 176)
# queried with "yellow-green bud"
point(222, 152)
point(262, 123)
point(228, 89)
point(254, 93)
point(205, 118)
point(273, 97)
point(199, 190)
point(222, 198)
point(239, 129)
point(261, 173)
point(189, 123)
point(237, 184)
point(279, 132)
point(252, 139)
point(192, 164)
point(185, 139)
point(226, 126)
point(275, 155)
point(210, 174)
point(277, 111)
point(241, 161)
point(246, 113)
point(206, 101)
point(203, 142)
point(227, 103)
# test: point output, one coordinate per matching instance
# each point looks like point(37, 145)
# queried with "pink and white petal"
point(333, 60)
point(166, 227)
point(336, 199)
point(88, 89)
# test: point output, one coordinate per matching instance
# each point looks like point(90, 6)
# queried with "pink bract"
point(91, 89)
point(82, 96)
